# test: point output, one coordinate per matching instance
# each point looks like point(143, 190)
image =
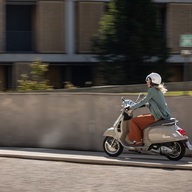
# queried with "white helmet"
point(154, 77)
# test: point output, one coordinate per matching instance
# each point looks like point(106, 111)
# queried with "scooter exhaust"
point(165, 150)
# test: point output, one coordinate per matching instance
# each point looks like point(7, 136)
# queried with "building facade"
point(59, 32)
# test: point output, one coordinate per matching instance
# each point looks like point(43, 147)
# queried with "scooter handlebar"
point(122, 98)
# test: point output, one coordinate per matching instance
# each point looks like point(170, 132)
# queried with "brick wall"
point(50, 26)
point(18, 69)
point(88, 17)
point(179, 21)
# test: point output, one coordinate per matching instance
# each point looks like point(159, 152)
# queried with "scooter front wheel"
point(112, 147)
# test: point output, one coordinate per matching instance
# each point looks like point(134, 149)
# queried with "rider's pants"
point(137, 124)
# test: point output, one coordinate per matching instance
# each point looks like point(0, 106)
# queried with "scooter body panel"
point(162, 134)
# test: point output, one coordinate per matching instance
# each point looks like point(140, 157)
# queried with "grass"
point(178, 93)
point(169, 93)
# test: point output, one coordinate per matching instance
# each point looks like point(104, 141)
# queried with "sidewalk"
point(126, 159)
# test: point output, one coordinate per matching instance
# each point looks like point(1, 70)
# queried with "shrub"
point(35, 80)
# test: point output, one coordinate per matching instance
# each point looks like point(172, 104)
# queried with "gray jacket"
point(156, 103)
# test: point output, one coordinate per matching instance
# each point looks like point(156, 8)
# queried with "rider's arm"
point(143, 101)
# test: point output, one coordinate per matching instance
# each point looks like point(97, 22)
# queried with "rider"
point(157, 105)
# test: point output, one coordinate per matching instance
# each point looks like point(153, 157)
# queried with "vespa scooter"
point(164, 137)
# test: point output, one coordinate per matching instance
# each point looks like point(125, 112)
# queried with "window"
point(161, 18)
point(19, 32)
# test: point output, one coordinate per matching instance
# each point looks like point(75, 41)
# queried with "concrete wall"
point(69, 120)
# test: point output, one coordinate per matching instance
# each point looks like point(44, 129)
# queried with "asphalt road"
point(25, 175)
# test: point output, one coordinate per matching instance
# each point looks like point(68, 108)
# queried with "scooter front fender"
point(110, 132)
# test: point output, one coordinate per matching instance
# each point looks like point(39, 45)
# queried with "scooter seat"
point(163, 122)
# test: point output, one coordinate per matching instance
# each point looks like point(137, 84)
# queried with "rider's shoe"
point(136, 144)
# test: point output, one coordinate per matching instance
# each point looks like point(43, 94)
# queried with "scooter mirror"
point(139, 96)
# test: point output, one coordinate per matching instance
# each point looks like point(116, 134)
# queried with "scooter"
point(163, 137)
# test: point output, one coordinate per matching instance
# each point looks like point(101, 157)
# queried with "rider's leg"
point(137, 124)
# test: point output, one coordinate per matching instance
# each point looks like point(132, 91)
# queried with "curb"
point(98, 158)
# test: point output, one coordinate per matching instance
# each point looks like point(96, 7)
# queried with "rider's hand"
point(129, 112)
point(127, 108)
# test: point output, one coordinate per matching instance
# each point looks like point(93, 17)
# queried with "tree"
point(35, 80)
point(127, 40)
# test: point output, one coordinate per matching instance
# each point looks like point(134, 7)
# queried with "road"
point(25, 175)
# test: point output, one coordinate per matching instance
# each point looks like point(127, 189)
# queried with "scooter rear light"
point(181, 132)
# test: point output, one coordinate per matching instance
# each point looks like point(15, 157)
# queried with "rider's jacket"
point(156, 103)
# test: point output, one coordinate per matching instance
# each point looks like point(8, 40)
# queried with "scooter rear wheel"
point(112, 147)
point(179, 150)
